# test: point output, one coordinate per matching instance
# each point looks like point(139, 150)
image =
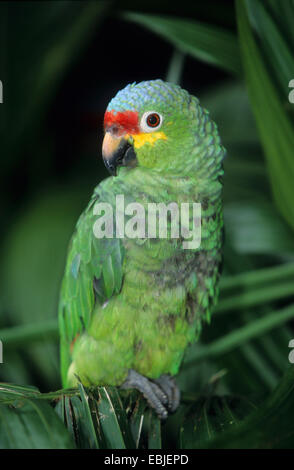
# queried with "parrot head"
point(158, 125)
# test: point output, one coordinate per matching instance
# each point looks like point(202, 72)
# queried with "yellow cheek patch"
point(148, 137)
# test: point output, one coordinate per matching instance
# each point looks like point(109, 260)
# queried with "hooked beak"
point(117, 151)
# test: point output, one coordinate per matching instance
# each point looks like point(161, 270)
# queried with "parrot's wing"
point(93, 273)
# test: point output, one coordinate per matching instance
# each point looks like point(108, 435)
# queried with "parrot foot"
point(162, 394)
point(169, 386)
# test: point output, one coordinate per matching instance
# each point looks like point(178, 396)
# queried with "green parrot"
point(130, 306)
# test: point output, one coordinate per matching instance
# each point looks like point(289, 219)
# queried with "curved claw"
point(170, 388)
point(162, 394)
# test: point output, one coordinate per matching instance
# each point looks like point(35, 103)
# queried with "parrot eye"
point(150, 121)
point(153, 120)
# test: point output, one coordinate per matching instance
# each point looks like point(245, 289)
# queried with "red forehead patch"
point(126, 121)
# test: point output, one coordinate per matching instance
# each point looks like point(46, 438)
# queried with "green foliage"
point(30, 423)
point(236, 383)
point(204, 42)
point(274, 124)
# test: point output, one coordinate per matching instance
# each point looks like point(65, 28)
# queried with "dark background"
point(118, 53)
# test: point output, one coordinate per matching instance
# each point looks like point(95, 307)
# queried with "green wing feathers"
point(93, 274)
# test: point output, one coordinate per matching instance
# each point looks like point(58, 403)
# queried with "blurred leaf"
point(245, 179)
point(79, 414)
point(154, 431)
point(266, 354)
point(10, 392)
point(137, 419)
point(249, 279)
point(284, 16)
point(97, 419)
point(204, 42)
point(243, 334)
point(256, 227)
point(229, 106)
point(274, 46)
point(251, 370)
point(176, 66)
point(211, 416)
point(219, 11)
point(194, 381)
point(254, 297)
point(19, 335)
point(72, 412)
point(113, 420)
point(255, 367)
point(32, 424)
point(245, 176)
point(270, 426)
point(89, 417)
point(33, 257)
point(274, 126)
point(15, 368)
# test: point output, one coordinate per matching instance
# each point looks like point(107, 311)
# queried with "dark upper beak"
point(117, 151)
